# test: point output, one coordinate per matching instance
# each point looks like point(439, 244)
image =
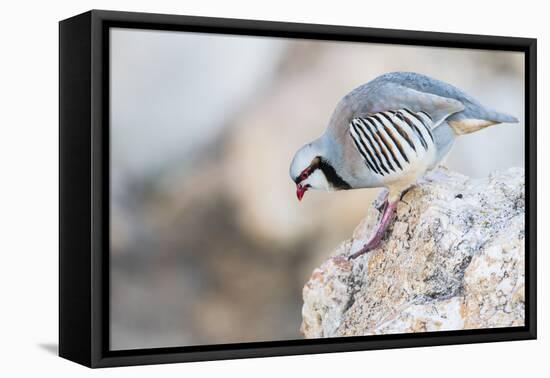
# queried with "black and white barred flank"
point(393, 141)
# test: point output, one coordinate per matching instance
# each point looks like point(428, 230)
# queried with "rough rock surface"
point(454, 259)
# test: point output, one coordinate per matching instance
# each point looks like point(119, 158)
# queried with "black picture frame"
point(84, 187)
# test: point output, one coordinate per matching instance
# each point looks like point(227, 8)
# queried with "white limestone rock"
point(453, 259)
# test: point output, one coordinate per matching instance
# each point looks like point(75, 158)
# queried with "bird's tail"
point(468, 125)
point(502, 117)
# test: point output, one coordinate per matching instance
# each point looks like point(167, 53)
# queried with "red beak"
point(300, 190)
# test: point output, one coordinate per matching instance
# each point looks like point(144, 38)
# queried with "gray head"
point(311, 168)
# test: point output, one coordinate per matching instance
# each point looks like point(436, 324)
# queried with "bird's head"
point(307, 169)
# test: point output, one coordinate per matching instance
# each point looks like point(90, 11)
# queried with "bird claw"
point(356, 254)
point(376, 238)
point(366, 248)
point(381, 200)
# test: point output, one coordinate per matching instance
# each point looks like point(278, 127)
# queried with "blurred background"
point(208, 242)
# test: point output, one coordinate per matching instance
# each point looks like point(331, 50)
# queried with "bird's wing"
point(394, 143)
point(394, 96)
point(465, 114)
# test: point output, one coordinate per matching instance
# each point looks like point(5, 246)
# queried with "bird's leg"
point(376, 238)
point(381, 200)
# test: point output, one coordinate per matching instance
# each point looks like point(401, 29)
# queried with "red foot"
point(376, 239)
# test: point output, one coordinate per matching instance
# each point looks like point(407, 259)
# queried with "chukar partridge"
point(388, 133)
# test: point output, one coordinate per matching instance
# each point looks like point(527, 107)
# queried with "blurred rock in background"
point(208, 242)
